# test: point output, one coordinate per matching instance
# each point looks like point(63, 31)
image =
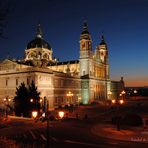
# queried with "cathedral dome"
point(38, 42)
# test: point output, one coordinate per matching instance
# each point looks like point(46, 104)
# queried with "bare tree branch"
point(5, 6)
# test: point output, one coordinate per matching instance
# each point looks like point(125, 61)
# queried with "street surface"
point(65, 133)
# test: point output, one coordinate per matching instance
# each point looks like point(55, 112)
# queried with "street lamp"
point(120, 95)
point(31, 100)
point(69, 95)
point(41, 100)
point(38, 105)
point(109, 94)
point(41, 105)
point(61, 114)
point(47, 118)
point(123, 94)
point(34, 114)
point(36, 102)
point(79, 99)
point(121, 101)
point(6, 101)
point(135, 92)
point(113, 101)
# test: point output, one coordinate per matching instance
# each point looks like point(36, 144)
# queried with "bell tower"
point(86, 56)
point(103, 54)
point(103, 51)
point(85, 42)
point(85, 50)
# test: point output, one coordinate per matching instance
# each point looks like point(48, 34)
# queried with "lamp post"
point(109, 95)
point(69, 96)
point(36, 109)
point(123, 94)
point(6, 101)
point(41, 106)
point(135, 92)
point(47, 117)
point(34, 101)
point(120, 95)
point(45, 109)
point(79, 99)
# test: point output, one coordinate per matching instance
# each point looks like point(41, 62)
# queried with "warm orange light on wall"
point(69, 94)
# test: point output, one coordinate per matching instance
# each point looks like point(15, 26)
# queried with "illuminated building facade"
point(72, 82)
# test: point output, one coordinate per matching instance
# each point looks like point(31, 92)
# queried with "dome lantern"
point(39, 32)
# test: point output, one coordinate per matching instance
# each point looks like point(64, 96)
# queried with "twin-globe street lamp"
point(45, 114)
point(120, 101)
point(61, 115)
point(46, 107)
point(6, 101)
point(35, 112)
point(122, 94)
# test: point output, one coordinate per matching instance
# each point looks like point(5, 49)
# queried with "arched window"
point(83, 72)
point(45, 56)
point(32, 55)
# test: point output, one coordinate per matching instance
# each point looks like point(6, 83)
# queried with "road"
point(72, 133)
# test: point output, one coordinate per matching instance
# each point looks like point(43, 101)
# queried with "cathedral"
point(84, 80)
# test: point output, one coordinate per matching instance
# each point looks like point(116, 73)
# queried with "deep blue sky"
point(124, 23)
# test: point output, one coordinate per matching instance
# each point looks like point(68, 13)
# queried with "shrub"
point(132, 119)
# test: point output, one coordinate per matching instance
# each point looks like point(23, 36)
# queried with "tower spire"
point(102, 40)
point(85, 28)
point(102, 37)
point(39, 32)
point(85, 33)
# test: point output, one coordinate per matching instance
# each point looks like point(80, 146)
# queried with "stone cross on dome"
point(39, 32)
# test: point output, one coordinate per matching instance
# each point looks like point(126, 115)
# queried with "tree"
point(21, 101)
point(34, 95)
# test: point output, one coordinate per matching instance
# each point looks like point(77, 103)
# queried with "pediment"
point(7, 61)
point(7, 64)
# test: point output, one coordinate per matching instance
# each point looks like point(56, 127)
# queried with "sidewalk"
point(134, 134)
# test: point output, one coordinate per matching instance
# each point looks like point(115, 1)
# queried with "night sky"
point(124, 24)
